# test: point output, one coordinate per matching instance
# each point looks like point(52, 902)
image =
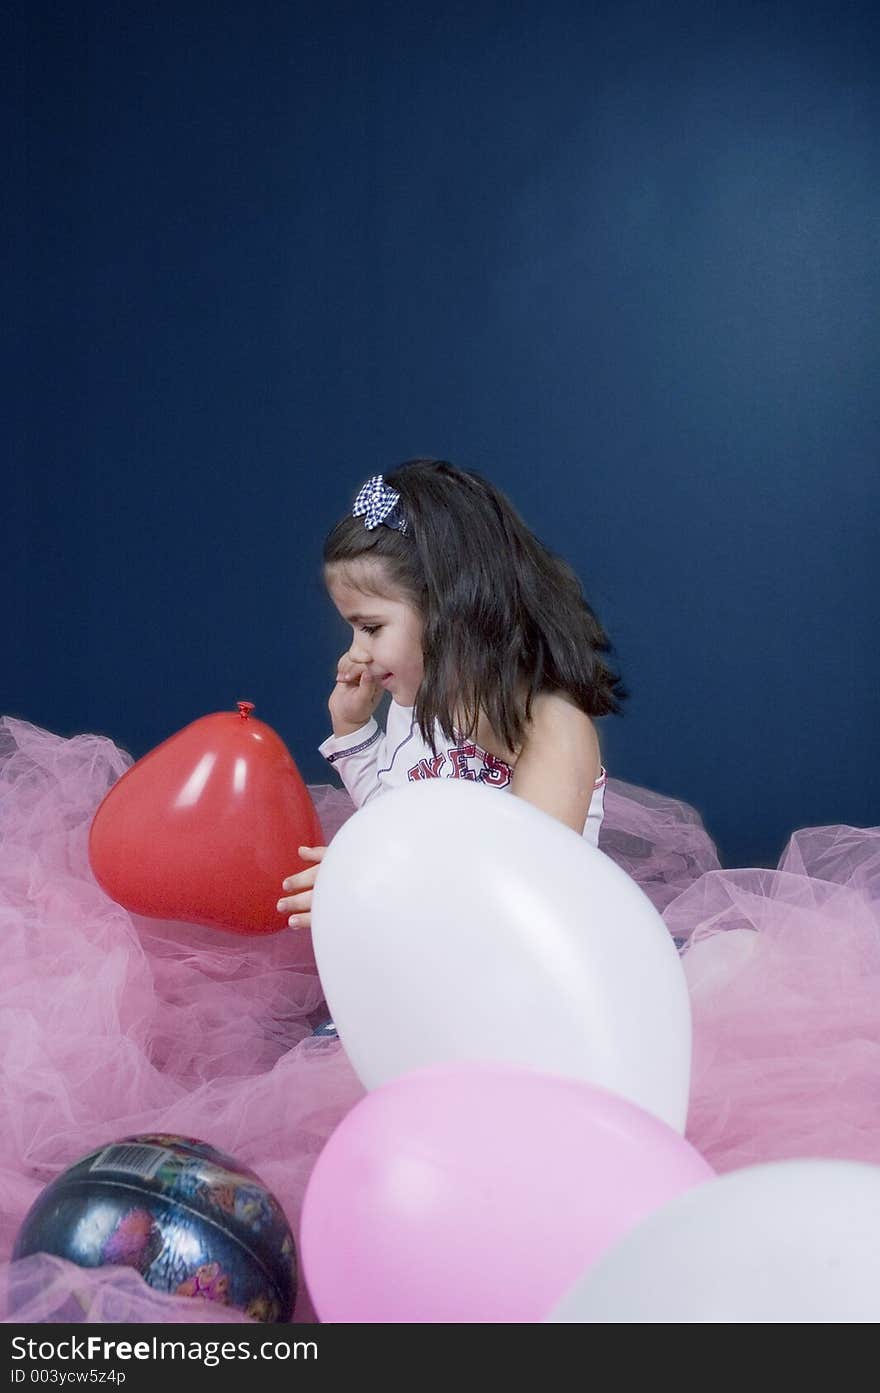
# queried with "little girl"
point(494, 660)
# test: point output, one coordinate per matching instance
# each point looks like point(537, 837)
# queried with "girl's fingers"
point(305, 880)
point(306, 877)
point(298, 906)
point(295, 883)
point(295, 904)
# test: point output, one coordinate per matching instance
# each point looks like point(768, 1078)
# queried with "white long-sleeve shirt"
point(371, 761)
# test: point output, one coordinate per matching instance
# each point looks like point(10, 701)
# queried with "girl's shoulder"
point(555, 720)
point(556, 713)
point(560, 752)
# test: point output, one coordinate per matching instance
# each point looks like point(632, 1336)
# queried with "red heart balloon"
point(206, 826)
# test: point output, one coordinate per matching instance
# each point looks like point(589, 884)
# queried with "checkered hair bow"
point(378, 503)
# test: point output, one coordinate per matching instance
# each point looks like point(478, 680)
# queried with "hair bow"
point(377, 503)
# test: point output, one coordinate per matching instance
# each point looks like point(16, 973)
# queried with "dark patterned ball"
point(326, 1030)
point(191, 1220)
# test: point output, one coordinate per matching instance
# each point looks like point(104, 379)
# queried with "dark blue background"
point(621, 258)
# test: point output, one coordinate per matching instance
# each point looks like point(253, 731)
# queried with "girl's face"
point(386, 633)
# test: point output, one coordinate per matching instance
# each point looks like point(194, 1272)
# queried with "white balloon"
point(453, 922)
point(784, 1243)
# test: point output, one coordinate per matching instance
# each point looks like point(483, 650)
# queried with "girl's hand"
point(299, 905)
point(354, 698)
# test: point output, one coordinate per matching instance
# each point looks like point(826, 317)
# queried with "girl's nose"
point(359, 653)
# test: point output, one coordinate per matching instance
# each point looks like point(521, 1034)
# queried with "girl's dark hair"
point(504, 618)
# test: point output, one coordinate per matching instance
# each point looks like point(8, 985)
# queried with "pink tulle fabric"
point(111, 1024)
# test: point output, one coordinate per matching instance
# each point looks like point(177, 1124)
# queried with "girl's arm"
point(559, 763)
point(357, 760)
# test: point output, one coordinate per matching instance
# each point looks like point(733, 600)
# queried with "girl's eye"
point(371, 628)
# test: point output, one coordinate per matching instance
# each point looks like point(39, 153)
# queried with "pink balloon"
point(479, 1192)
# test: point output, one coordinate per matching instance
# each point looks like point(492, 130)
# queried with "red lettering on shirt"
point(460, 767)
point(494, 771)
point(467, 761)
point(426, 768)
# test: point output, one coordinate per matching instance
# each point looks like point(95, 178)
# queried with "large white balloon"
point(785, 1243)
point(454, 922)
